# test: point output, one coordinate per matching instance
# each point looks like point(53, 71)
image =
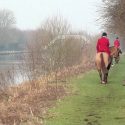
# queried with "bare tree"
point(56, 25)
point(40, 58)
point(7, 19)
point(7, 34)
point(55, 47)
point(113, 16)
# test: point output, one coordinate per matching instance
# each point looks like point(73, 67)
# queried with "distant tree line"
point(11, 38)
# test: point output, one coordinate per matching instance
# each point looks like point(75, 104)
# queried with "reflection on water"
point(12, 71)
point(20, 78)
point(9, 68)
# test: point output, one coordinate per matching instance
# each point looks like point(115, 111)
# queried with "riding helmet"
point(104, 34)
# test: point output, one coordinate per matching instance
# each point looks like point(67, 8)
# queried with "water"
point(16, 71)
point(11, 68)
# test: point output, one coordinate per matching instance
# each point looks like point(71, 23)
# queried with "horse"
point(103, 63)
point(117, 55)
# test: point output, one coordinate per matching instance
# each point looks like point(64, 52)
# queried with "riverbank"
point(28, 103)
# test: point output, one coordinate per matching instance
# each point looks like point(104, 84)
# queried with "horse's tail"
point(104, 69)
point(102, 59)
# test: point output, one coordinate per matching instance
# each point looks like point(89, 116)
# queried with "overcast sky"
point(29, 14)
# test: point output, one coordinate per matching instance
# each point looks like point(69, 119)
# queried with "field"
point(92, 103)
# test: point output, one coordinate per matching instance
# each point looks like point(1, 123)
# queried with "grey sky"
point(30, 13)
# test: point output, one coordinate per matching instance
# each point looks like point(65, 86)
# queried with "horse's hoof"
point(112, 65)
point(103, 82)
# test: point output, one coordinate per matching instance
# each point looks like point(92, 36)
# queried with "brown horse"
point(117, 55)
point(103, 63)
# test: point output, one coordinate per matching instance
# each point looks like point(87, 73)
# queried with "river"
point(11, 69)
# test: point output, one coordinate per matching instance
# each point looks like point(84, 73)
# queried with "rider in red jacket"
point(103, 44)
point(117, 43)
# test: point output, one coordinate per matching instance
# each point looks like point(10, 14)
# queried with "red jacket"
point(103, 45)
point(117, 43)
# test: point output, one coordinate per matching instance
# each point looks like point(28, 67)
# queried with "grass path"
point(93, 103)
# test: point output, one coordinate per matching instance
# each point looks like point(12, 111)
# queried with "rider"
point(103, 45)
point(117, 43)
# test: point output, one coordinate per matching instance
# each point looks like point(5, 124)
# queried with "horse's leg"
point(99, 71)
point(107, 66)
point(98, 65)
point(120, 51)
point(116, 60)
point(110, 63)
point(100, 74)
point(105, 77)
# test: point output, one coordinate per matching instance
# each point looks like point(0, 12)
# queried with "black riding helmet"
point(104, 34)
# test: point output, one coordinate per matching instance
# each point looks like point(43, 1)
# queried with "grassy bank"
point(91, 102)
